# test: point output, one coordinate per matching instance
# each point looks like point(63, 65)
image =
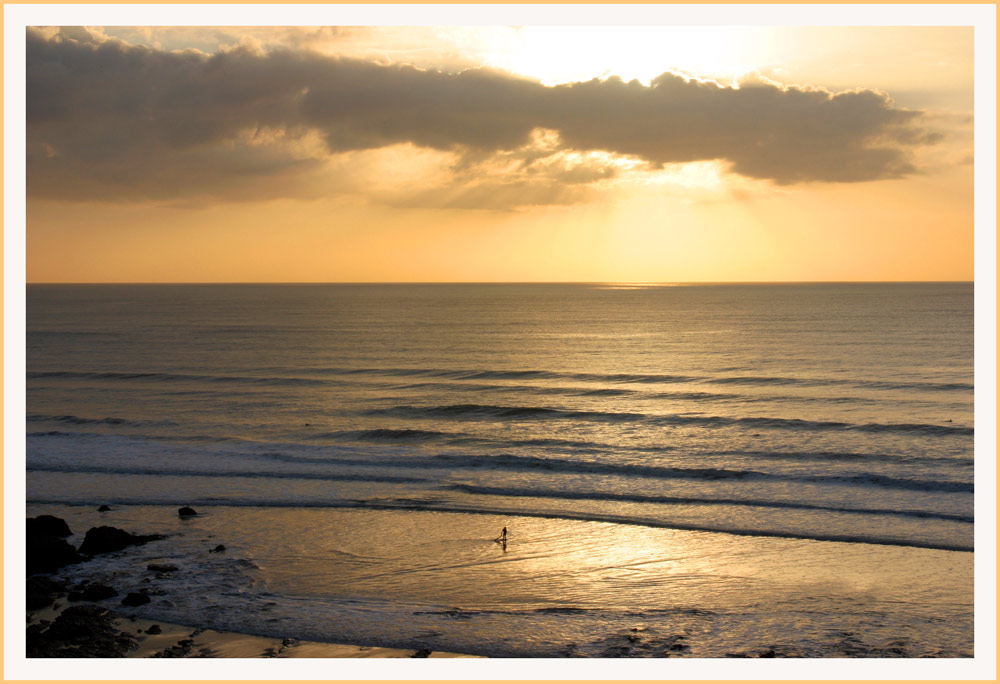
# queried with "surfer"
point(503, 536)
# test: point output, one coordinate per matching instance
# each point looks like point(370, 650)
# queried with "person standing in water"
point(503, 535)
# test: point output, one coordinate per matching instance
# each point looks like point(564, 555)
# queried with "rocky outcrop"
point(46, 549)
point(40, 592)
point(92, 591)
point(110, 539)
point(136, 598)
point(47, 526)
point(86, 631)
point(48, 554)
point(186, 512)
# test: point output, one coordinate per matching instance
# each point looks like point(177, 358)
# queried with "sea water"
point(693, 470)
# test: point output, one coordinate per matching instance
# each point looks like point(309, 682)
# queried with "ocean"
point(685, 470)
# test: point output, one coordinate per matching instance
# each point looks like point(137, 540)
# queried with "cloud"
point(114, 121)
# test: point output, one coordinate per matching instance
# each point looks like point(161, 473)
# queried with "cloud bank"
point(107, 120)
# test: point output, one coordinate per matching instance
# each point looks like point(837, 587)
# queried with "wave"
point(178, 377)
point(595, 392)
point(485, 411)
point(118, 470)
point(651, 378)
point(584, 446)
point(385, 435)
point(845, 456)
point(412, 505)
point(78, 420)
point(60, 433)
point(762, 380)
point(515, 462)
point(452, 461)
point(684, 500)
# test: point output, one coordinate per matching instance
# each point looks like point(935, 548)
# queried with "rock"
point(135, 598)
point(181, 650)
point(103, 509)
point(80, 632)
point(46, 550)
point(109, 539)
point(41, 592)
point(218, 549)
point(93, 592)
point(186, 512)
point(48, 526)
point(48, 554)
point(422, 653)
point(154, 629)
point(162, 567)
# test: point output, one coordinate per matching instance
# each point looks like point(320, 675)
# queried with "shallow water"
point(744, 466)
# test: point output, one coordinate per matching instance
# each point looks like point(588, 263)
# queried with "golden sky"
point(491, 153)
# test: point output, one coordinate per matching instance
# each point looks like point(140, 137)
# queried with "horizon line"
point(503, 282)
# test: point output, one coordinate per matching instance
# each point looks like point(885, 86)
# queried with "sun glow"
point(562, 54)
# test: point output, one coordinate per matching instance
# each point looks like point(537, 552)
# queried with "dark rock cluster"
point(47, 548)
point(110, 539)
point(84, 631)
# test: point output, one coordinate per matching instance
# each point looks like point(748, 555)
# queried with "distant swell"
point(176, 377)
point(640, 498)
point(511, 461)
point(78, 420)
point(487, 412)
point(333, 477)
point(385, 435)
point(649, 378)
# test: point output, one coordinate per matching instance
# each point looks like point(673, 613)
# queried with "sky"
point(499, 153)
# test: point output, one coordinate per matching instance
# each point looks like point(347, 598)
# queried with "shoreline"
point(64, 621)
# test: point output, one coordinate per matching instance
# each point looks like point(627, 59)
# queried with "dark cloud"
point(109, 120)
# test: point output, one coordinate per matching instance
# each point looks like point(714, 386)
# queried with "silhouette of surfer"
point(503, 536)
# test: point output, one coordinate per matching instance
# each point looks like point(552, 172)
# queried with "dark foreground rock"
point(181, 650)
point(86, 631)
point(46, 549)
point(47, 526)
point(109, 539)
point(135, 598)
point(41, 592)
point(48, 554)
point(92, 591)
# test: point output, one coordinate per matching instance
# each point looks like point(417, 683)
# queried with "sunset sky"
point(494, 153)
